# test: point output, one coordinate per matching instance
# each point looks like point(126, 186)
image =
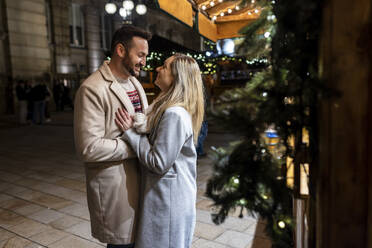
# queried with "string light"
point(256, 11)
point(281, 224)
point(212, 3)
point(229, 11)
point(204, 7)
point(249, 13)
point(222, 14)
point(237, 7)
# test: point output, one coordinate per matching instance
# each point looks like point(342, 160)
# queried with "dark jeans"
point(38, 116)
point(120, 246)
point(202, 135)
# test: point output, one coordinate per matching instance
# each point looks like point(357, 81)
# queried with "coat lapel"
point(123, 96)
point(116, 87)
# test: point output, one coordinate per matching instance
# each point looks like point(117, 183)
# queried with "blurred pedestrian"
point(21, 93)
point(57, 95)
point(39, 94)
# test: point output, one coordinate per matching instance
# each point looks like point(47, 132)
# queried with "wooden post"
point(344, 189)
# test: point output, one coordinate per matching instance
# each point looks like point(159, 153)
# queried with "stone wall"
point(29, 50)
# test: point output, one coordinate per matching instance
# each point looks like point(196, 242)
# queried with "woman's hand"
point(123, 119)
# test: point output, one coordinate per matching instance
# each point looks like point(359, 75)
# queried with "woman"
point(168, 155)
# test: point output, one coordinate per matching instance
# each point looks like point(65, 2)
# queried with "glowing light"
point(123, 12)
point(214, 18)
point(110, 8)
point(267, 34)
point(222, 14)
point(204, 7)
point(141, 9)
point(128, 4)
point(256, 11)
point(208, 53)
point(237, 8)
point(236, 181)
point(229, 11)
point(212, 3)
point(281, 224)
point(249, 13)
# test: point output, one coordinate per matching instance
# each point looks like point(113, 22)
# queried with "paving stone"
point(4, 234)
point(28, 209)
point(235, 239)
point(16, 242)
point(203, 243)
point(46, 216)
point(9, 219)
point(77, 210)
point(82, 229)
point(49, 236)
point(73, 241)
point(65, 222)
point(208, 231)
point(28, 228)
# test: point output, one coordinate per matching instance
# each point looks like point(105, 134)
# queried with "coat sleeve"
point(169, 140)
point(89, 128)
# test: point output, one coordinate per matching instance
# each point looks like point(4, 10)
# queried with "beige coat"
point(110, 164)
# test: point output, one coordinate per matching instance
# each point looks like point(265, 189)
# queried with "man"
point(110, 164)
point(21, 92)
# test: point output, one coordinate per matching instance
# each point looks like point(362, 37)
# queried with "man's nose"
point(143, 62)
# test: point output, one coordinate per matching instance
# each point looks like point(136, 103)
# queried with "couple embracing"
point(140, 160)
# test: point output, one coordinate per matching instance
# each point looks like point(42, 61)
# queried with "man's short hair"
point(125, 34)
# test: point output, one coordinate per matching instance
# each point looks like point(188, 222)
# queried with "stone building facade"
point(67, 40)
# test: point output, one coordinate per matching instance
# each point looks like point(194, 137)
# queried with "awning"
point(216, 19)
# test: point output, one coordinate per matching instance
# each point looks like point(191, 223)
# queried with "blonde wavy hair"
point(186, 91)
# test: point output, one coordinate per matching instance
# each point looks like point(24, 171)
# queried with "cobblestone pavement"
point(43, 197)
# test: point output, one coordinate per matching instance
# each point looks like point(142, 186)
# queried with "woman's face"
point(165, 78)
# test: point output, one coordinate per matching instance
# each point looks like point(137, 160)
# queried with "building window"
point(106, 32)
point(48, 21)
point(76, 20)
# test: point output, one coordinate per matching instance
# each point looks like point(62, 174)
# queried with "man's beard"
point(126, 65)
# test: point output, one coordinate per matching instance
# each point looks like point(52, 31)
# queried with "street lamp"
point(126, 9)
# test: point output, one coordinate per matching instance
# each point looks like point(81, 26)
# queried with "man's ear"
point(120, 50)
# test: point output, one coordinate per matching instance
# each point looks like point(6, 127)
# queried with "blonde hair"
point(185, 91)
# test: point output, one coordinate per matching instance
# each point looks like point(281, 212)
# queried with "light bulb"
point(141, 9)
point(256, 11)
point(110, 8)
point(222, 14)
point(229, 11)
point(267, 34)
point(204, 7)
point(281, 224)
point(249, 13)
point(123, 12)
point(237, 7)
point(128, 4)
point(212, 3)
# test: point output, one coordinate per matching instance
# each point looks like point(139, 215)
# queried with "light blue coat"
point(168, 156)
